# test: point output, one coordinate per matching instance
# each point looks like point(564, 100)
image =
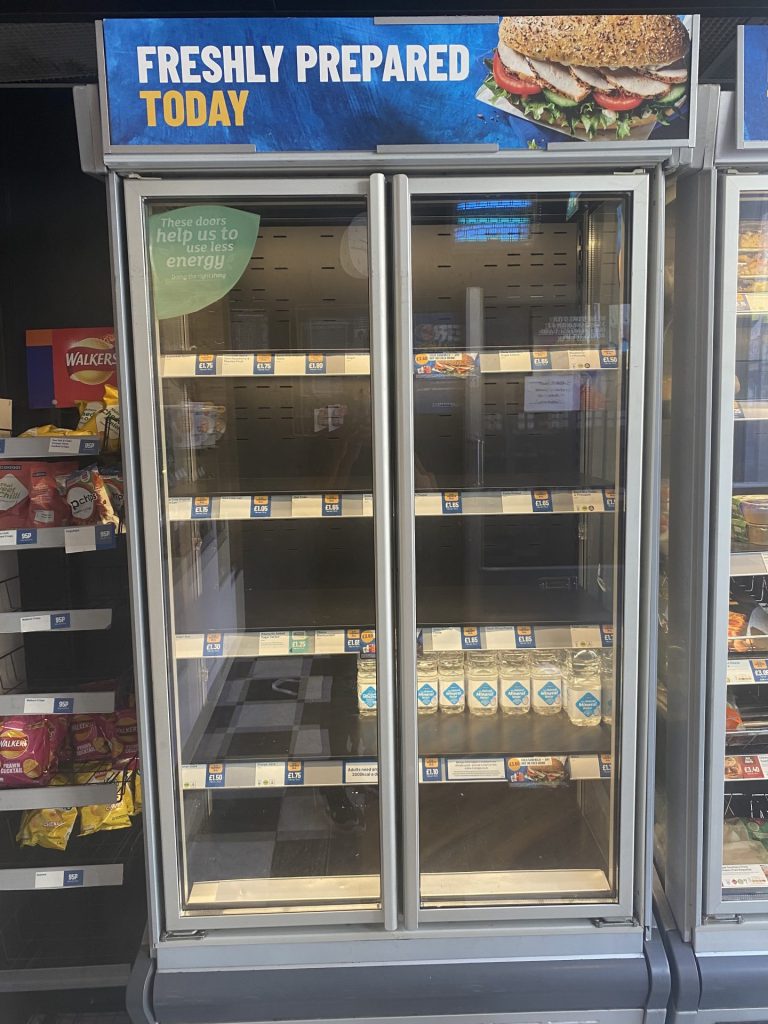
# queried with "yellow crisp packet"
point(107, 817)
point(50, 827)
point(50, 430)
point(137, 802)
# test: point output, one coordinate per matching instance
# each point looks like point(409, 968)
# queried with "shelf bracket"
point(199, 934)
point(613, 922)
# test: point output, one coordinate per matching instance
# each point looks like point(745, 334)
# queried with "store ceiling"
point(64, 52)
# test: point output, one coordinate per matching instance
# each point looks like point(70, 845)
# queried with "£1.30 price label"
point(205, 365)
point(213, 645)
point(201, 508)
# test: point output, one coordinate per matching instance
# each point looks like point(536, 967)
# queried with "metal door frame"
point(632, 789)
point(136, 194)
point(731, 188)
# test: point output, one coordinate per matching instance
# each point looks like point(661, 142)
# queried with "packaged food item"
point(61, 742)
point(14, 495)
point(125, 738)
point(103, 418)
point(197, 424)
point(137, 797)
point(107, 817)
point(87, 497)
point(91, 737)
point(25, 751)
point(113, 481)
point(47, 506)
point(535, 771)
point(757, 535)
point(52, 430)
point(733, 719)
point(50, 827)
point(738, 523)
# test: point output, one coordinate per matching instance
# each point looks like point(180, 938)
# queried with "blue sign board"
point(752, 87)
point(313, 84)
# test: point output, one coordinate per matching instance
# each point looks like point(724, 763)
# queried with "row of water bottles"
point(579, 682)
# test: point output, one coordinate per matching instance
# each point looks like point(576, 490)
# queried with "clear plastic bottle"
point(584, 689)
point(514, 682)
point(608, 683)
point(366, 686)
point(546, 683)
point(426, 684)
point(482, 682)
point(453, 694)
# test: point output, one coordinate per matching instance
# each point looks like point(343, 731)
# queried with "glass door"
point(259, 333)
point(520, 383)
point(737, 818)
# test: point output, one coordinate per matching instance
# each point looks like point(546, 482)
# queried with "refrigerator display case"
point(392, 495)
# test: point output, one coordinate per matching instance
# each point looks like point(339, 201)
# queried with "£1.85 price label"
point(201, 508)
point(315, 363)
point(470, 638)
point(525, 638)
point(205, 365)
point(541, 501)
point(213, 645)
point(261, 506)
point(451, 503)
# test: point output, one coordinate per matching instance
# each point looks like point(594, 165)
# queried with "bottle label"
point(368, 696)
point(517, 694)
point(549, 693)
point(485, 694)
point(426, 694)
point(453, 693)
point(588, 704)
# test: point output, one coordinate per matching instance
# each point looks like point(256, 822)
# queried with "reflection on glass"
point(264, 402)
point(520, 362)
point(745, 831)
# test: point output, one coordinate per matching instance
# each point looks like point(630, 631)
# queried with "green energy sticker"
point(197, 255)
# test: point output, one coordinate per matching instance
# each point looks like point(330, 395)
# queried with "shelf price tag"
point(205, 365)
point(261, 506)
point(294, 773)
point(331, 505)
point(238, 364)
point(315, 363)
point(201, 508)
point(609, 358)
point(515, 362)
point(609, 499)
point(446, 638)
point(69, 878)
point(89, 538)
point(525, 638)
point(351, 641)
point(367, 504)
point(470, 638)
point(431, 769)
point(368, 643)
point(357, 364)
point(541, 501)
point(269, 774)
point(604, 765)
point(585, 636)
point(606, 636)
point(61, 620)
point(588, 501)
point(274, 642)
point(213, 645)
point(18, 538)
point(541, 360)
point(515, 502)
point(73, 446)
point(264, 364)
point(744, 876)
point(451, 501)
point(759, 668)
point(215, 776)
point(299, 641)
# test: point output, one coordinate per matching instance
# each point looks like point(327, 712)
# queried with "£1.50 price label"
point(215, 776)
point(609, 358)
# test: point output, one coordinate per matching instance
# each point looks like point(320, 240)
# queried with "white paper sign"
point(7, 538)
point(329, 641)
point(270, 773)
point(553, 392)
point(237, 365)
point(238, 507)
point(583, 359)
point(64, 445)
point(49, 879)
point(179, 509)
point(79, 538)
point(445, 638)
point(307, 506)
point(585, 636)
point(765, 560)
point(588, 501)
point(744, 876)
point(274, 643)
point(516, 502)
point(475, 769)
point(38, 705)
point(361, 772)
point(367, 504)
point(514, 362)
point(357, 363)
point(429, 504)
point(35, 623)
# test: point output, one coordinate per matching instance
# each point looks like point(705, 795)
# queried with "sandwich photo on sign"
point(600, 77)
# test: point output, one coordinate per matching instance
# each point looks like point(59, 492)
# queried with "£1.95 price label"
point(201, 508)
point(315, 363)
point(470, 638)
point(331, 505)
point(451, 503)
point(264, 364)
point(261, 506)
point(213, 645)
point(205, 365)
point(525, 638)
point(541, 501)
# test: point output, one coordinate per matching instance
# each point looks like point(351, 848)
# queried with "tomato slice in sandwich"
point(617, 101)
point(511, 83)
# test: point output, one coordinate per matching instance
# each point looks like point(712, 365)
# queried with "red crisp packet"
point(25, 751)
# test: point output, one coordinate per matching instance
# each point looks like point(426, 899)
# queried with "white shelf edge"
point(62, 620)
point(97, 703)
point(38, 797)
point(73, 877)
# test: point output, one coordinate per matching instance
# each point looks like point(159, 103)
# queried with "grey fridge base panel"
point(614, 990)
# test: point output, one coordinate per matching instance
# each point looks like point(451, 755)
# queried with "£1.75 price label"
point(264, 364)
point(294, 773)
point(205, 365)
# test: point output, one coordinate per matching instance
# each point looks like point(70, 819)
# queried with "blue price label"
point(759, 668)
point(470, 638)
point(26, 536)
point(609, 499)
point(451, 503)
point(215, 776)
point(2, 446)
point(541, 501)
point(604, 762)
point(261, 506)
point(264, 364)
point(606, 636)
point(63, 705)
point(74, 879)
point(61, 620)
point(331, 505)
point(89, 446)
point(213, 645)
point(104, 536)
point(294, 773)
point(201, 508)
point(738, 412)
point(315, 363)
point(205, 365)
point(431, 769)
point(351, 641)
point(609, 358)
point(525, 637)
point(541, 360)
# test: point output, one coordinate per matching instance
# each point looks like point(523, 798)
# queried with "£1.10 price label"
point(431, 769)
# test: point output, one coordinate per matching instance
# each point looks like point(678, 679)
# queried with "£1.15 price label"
point(201, 508)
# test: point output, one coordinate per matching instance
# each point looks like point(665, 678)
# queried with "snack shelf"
point(51, 447)
point(36, 797)
point(745, 878)
point(73, 539)
point(747, 671)
point(72, 703)
point(433, 503)
point(454, 364)
point(280, 774)
point(749, 303)
point(754, 409)
point(71, 877)
point(284, 643)
point(72, 621)
point(266, 364)
point(749, 563)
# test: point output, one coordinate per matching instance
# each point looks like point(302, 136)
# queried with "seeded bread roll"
point(598, 40)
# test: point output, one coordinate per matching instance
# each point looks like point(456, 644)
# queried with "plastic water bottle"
point(585, 689)
point(546, 683)
point(514, 682)
point(366, 686)
point(426, 684)
point(453, 694)
point(482, 682)
point(608, 683)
